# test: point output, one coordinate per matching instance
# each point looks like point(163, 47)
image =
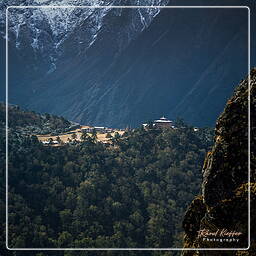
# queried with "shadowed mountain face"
point(120, 67)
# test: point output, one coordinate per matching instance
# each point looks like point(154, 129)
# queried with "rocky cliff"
point(223, 206)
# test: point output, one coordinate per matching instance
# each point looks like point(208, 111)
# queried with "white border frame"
point(249, 133)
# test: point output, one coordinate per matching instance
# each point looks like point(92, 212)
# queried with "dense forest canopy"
point(131, 193)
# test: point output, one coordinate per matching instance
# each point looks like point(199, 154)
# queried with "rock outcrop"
point(223, 206)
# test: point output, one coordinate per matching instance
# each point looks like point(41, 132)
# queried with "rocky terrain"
point(224, 201)
point(45, 31)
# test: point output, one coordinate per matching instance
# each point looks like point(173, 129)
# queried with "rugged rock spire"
point(223, 206)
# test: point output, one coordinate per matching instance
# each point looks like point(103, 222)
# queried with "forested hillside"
point(31, 122)
point(132, 193)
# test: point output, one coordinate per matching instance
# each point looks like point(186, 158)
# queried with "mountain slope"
point(121, 67)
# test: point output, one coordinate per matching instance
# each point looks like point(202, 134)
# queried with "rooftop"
point(163, 120)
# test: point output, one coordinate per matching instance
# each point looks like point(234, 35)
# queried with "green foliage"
point(74, 136)
point(131, 194)
point(31, 122)
point(84, 135)
point(94, 135)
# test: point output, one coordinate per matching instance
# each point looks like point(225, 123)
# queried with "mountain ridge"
point(131, 74)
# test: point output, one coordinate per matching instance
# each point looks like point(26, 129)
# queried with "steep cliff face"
point(224, 203)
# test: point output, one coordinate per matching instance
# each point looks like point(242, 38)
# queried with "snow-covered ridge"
point(45, 30)
point(63, 20)
point(60, 21)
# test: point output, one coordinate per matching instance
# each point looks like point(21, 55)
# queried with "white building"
point(163, 123)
